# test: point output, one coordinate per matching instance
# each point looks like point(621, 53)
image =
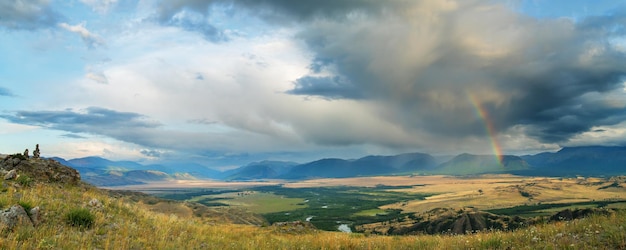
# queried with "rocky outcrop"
point(14, 217)
point(458, 222)
point(567, 214)
point(294, 227)
point(40, 169)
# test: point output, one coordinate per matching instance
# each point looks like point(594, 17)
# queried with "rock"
point(26, 153)
point(41, 170)
point(95, 203)
point(35, 216)
point(294, 227)
point(14, 217)
point(562, 215)
point(567, 214)
point(36, 153)
point(11, 175)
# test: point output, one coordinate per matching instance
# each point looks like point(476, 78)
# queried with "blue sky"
point(227, 82)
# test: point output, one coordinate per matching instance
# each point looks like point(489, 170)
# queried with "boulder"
point(94, 203)
point(35, 216)
point(11, 175)
point(14, 217)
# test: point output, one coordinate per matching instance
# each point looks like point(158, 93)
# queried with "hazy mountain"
point(102, 172)
point(95, 162)
point(589, 160)
point(468, 164)
point(194, 169)
point(261, 170)
point(569, 161)
point(366, 166)
point(132, 177)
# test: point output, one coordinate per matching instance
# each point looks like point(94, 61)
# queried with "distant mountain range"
point(569, 161)
point(102, 172)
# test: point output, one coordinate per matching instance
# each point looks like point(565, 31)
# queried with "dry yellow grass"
point(123, 224)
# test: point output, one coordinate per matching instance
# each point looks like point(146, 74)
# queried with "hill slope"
point(127, 221)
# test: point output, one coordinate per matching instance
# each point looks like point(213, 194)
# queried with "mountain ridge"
point(568, 161)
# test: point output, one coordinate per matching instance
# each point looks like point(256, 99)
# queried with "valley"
point(332, 202)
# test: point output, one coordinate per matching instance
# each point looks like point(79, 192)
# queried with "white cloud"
point(90, 39)
point(98, 77)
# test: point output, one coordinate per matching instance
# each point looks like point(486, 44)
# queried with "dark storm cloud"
point(29, 15)
point(329, 87)
point(190, 15)
point(278, 9)
point(199, 25)
point(523, 71)
point(151, 153)
point(125, 126)
point(6, 92)
point(425, 62)
point(73, 136)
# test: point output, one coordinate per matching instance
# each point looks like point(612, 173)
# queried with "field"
point(330, 203)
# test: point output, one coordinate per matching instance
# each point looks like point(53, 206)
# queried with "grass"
point(370, 212)
point(121, 224)
point(80, 217)
point(262, 203)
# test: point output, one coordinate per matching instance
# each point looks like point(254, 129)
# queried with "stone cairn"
point(36, 152)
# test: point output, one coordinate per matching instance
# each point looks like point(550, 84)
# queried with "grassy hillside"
point(122, 223)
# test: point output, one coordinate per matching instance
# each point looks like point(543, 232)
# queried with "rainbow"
point(491, 131)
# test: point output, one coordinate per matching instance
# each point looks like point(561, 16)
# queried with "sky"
point(226, 82)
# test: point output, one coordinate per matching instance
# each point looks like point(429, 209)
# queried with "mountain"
point(94, 162)
point(190, 168)
point(570, 161)
point(261, 170)
point(102, 172)
point(366, 166)
point(468, 164)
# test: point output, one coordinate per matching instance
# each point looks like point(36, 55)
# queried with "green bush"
point(26, 205)
point(24, 180)
point(81, 217)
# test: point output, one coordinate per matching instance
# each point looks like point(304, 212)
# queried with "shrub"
point(81, 217)
point(26, 205)
point(24, 180)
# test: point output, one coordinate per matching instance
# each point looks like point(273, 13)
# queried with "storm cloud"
point(28, 15)
point(422, 60)
point(92, 120)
